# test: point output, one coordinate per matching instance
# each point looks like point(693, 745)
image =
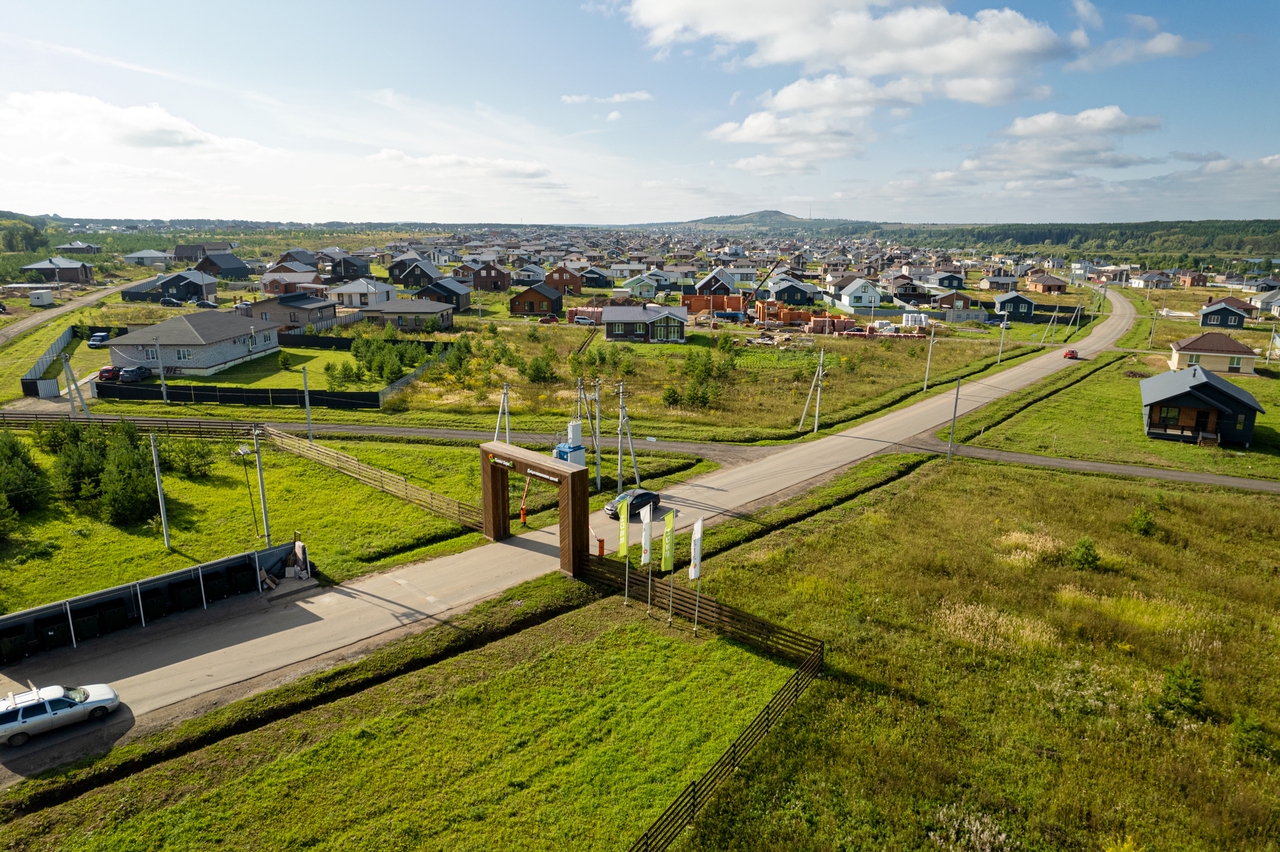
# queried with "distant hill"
point(761, 218)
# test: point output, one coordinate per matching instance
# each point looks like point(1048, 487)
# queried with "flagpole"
point(695, 569)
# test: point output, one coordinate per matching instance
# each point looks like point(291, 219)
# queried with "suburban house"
point(529, 274)
point(414, 274)
point(294, 310)
point(592, 277)
point(1000, 283)
point(447, 290)
point(906, 289)
point(62, 270)
point(198, 344)
point(791, 292)
point(1015, 306)
point(193, 252)
point(1193, 279)
point(639, 287)
point(1264, 285)
point(348, 268)
point(363, 292)
point(645, 323)
point(149, 257)
point(278, 283)
point(1214, 351)
point(1151, 281)
point(717, 282)
point(537, 300)
point(182, 286)
point(78, 247)
point(1046, 284)
point(290, 266)
point(300, 255)
point(857, 293)
point(1249, 310)
point(411, 314)
point(564, 281)
point(946, 280)
point(1195, 405)
point(1267, 302)
point(1222, 315)
point(956, 301)
point(223, 265)
point(492, 278)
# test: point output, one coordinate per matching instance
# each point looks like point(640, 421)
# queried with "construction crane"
point(762, 282)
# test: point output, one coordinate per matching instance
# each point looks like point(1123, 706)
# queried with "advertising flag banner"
point(624, 515)
point(669, 542)
point(695, 552)
point(646, 515)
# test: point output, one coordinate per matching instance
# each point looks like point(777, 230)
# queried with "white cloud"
point(1108, 119)
point(1144, 22)
point(575, 99)
point(1194, 157)
point(1087, 13)
point(613, 116)
point(1123, 51)
point(620, 98)
point(798, 141)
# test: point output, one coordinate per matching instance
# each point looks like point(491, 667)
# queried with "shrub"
point(539, 371)
point(389, 332)
point(8, 519)
point(1248, 739)
point(21, 480)
point(533, 334)
point(1142, 521)
point(310, 329)
point(285, 361)
point(128, 489)
point(188, 456)
point(397, 404)
point(1182, 695)
point(671, 396)
point(1084, 556)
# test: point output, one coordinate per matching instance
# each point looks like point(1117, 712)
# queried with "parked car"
point(135, 374)
point(3, 309)
point(637, 499)
point(166, 302)
point(108, 373)
point(1070, 353)
point(583, 321)
point(51, 707)
point(205, 303)
point(99, 340)
point(549, 319)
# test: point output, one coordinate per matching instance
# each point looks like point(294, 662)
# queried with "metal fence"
point(729, 621)
point(228, 395)
point(340, 319)
point(390, 483)
point(32, 384)
point(176, 426)
point(79, 619)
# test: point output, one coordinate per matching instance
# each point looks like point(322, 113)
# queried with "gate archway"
point(499, 460)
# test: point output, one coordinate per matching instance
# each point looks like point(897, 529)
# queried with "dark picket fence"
point(765, 636)
point(237, 396)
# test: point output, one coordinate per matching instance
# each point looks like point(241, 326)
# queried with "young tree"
point(22, 482)
point(128, 484)
point(285, 361)
point(8, 519)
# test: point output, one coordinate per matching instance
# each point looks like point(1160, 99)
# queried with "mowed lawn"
point(350, 529)
point(265, 372)
point(979, 684)
point(1100, 419)
point(574, 734)
point(1253, 335)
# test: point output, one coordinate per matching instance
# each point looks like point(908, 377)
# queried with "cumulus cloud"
point(1108, 119)
point(1124, 51)
point(798, 141)
point(613, 116)
point(1087, 13)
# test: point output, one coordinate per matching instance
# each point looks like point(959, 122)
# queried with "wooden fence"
point(177, 426)
point(390, 483)
point(746, 628)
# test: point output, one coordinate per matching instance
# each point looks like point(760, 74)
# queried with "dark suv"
point(135, 374)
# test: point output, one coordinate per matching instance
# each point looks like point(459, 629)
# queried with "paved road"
point(158, 668)
point(27, 323)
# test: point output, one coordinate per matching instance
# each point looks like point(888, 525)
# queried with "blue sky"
point(658, 110)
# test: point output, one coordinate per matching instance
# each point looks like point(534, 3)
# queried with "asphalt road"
point(194, 654)
point(27, 323)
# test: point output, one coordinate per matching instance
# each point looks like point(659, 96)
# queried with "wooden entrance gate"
point(499, 460)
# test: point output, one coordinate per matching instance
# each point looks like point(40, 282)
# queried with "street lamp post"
point(243, 451)
point(164, 389)
point(1004, 324)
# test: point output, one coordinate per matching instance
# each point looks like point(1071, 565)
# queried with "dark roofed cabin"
point(1197, 406)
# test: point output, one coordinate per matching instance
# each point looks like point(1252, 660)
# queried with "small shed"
point(41, 298)
point(1195, 406)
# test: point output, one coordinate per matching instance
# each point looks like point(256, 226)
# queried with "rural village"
point(327, 498)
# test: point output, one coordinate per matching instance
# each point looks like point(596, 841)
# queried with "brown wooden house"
point(564, 281)
point(537, 300)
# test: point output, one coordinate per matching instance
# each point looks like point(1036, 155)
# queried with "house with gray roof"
point(1015, 306)
point(62, 270)
point(290, 310)
point(645, 323)
point(78, 247)
point(223, 265)
point(411, 314)
point(1197, 406)
point(198, 344)
point(363, 292)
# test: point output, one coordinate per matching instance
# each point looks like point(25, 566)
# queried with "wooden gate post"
point(493, 499)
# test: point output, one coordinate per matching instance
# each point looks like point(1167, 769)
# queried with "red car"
point(1070, 353)
point(108, 373)
point(549, 318)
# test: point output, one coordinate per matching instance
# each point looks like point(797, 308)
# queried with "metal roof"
point(198, 329)
point(1212, 343)
point(1177, 382)
point(642, 313)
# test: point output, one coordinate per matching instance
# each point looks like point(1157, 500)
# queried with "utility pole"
point(624, 423)
point(164, 518)
point(1004, 322)
point(596, 430)
point(1271, 342)
point(504, 415)
point(306, 396)
point(817, 408)
point(66, 372)
point(164, 389)
point(933, 326)
point(262, 488)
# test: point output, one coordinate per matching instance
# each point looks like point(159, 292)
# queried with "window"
point(399, 320)
point(1192, 360)
point(183, 354)
point(639, 328)
point(1024, 308)
point(1239, 421)
point(150, 355)
point(619, 328)
point(293, 316)
point(9, 717)
point(1231, 319)
point(266, 337)
point(57, 704)
point(1233, 361)
point(1213, 319)
point(1169, 416)
point(266, 316)
point(35, 710)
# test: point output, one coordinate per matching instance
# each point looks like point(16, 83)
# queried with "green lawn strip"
point(351, 529)
point(549, 420)
point(973, 675)
point(265, 372)
point(21, 353)
point(997, 411)
point(517, 609)
point(1100, 419)
point(573, 734)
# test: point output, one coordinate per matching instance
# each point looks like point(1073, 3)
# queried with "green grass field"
point(1101, 419)
point(265, 372)
point(1169, 330)
point(20, 354)
point(979, 684)
point(570, 735)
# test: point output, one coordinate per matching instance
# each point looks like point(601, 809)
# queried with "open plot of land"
point(20, 354)
point(1100, 418)
point(979, 684)
point(1169, 331)
point(570, 735)
point(1179, 298)
point(1064, 332)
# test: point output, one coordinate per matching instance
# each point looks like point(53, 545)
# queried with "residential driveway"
point(195, 655)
